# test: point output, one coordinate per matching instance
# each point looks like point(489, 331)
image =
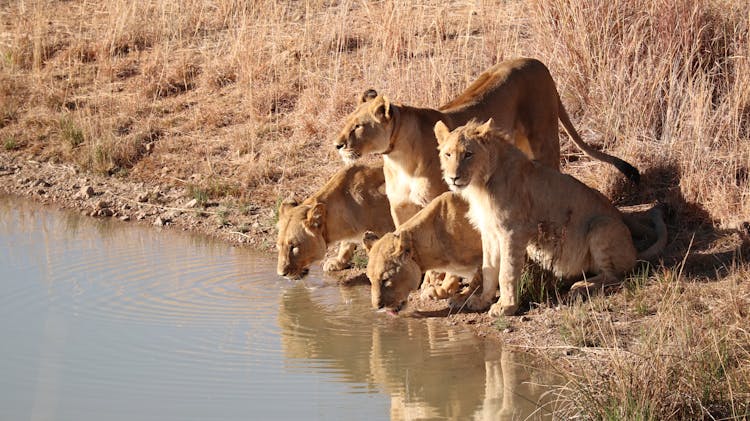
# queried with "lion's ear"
point(368, 95)
point(287, 205)
point(405, 243)
point(485, 128)
point(441, 132)
point(381, 109)
point(316, 215)
point(369, 239)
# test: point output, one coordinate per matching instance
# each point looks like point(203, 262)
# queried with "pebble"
point(106, 212)
point(191, 204)
point(86, 192)
point(508, 330)
point(142, 198)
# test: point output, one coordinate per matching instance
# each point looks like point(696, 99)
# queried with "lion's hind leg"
point(612, 254)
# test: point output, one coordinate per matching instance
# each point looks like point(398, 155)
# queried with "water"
point(101, 320)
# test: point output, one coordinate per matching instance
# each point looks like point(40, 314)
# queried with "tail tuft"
point(630, 171)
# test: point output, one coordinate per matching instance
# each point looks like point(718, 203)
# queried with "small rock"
point(41, 192)
point(42, 183)
point(142, 198)
point(106, 212)
point(102, 204)
point(508, 330)
point(191, 204)
point(525, 318)
point(86, 192)
point(161, 221)
point(124, 218)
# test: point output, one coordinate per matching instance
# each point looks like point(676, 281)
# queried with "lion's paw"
point(428, 293)
point(475, 303)
point(332, 265)
point(499, 310)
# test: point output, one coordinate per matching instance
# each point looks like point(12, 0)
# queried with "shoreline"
point(594, 337)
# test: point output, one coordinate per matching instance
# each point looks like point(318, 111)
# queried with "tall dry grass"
point(688, 360)
point(252, 91)
point(241, 99)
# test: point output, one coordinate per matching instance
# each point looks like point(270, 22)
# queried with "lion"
point(349, 204)
point(521, 97)
point(439, 237)
point(523, 208)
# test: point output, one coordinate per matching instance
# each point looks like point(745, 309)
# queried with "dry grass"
point(239, 100)
point(687, 359)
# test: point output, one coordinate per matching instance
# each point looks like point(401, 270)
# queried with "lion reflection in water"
point(430, 370)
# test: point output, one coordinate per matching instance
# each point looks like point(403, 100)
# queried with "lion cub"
point(522, 208)
point(350, 203)
point(438, 237)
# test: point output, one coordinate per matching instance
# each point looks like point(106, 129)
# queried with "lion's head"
point(300, 242)
point(367, 129)
point(463, 154)
point(391, 268)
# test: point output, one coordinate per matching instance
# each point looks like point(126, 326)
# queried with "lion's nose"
point(455, 179)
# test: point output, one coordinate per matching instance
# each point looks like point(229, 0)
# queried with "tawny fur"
point(351, 202)
point(439, 237)
point(520, 95)
point(524, 208)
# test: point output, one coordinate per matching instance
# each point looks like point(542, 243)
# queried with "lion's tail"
point(657, 217)
point(630, 171)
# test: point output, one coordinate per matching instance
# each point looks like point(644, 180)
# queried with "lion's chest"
point(401, 187)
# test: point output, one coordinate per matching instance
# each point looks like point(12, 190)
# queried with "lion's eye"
point(468, 154)
point(447, 154)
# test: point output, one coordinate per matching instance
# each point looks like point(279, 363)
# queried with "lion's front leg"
point(512, 253)
point(490, 271)
point(341, 261)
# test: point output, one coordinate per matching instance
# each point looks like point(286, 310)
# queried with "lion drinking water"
point(349, 204)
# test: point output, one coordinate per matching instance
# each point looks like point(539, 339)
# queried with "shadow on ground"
point(708, 251)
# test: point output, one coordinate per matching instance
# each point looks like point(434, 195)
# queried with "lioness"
point(439, 237)
point(349, 204)
point(524, 208)
point(519, 95)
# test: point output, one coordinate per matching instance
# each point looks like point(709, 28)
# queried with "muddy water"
point(102, 320)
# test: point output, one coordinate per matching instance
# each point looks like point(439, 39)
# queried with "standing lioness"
point(523, 208)
point(519, 95)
